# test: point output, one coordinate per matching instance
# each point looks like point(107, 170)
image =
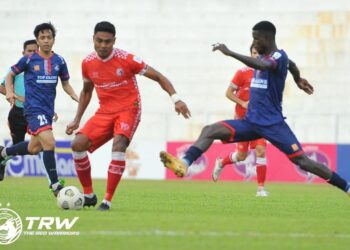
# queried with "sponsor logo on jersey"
point(258, 83)
point(57, 67)
point(120, 72)
point(47, 79)
point(109, 85)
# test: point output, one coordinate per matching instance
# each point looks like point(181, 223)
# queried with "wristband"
point(175, 98)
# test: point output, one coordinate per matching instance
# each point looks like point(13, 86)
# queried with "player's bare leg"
point(208, 135)
point(306, 164)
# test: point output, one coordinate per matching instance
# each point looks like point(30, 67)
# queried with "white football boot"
point(217, 169)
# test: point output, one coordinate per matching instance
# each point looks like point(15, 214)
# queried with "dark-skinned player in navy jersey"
point(264, 118)
point(41, 73)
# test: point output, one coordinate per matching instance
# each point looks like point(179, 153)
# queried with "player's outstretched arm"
point(247, 60)
point(69, 90)
point(180, 106)
point(301, 82)
point(84, 100)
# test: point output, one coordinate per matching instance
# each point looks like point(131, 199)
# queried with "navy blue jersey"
point(40, 81)
point(266, 91)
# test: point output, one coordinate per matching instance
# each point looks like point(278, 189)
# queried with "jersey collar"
point(108, 58)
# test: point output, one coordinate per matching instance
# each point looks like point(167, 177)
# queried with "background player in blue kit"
point(16, 120)
point(41, 72)
point(264, 116)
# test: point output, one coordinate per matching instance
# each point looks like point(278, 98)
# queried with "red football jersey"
point(241, 81)
point(114, 79)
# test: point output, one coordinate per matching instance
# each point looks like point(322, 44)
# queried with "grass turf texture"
point(189, 215)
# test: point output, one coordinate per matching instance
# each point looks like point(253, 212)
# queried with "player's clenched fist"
point(71, 127)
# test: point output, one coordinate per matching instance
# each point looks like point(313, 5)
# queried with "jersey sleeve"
point(136, 64)
point(21, 65)
point(236, 81)
point(277, 60)
point(84, 70)
point(64, 74)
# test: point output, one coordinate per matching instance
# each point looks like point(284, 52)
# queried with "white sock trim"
point(118, 156)
point(261, 161)
point(79, 155)
point(108, 203)
point(185, 162)
point(233, 157)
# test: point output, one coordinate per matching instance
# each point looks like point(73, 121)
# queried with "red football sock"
point(229, 159)
point(83, 168)
point(115, 172)
point(261, 175)
point(226, 160)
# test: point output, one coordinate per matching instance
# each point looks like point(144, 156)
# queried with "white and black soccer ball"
point(70, 198)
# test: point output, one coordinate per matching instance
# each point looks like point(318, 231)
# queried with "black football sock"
point(50, 165)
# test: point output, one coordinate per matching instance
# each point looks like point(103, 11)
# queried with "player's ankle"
point(108, 203)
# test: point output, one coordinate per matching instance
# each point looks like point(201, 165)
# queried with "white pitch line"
point(212, 234)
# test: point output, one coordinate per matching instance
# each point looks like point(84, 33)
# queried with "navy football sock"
point(18, 149)
point(50, 165)
point(192, 154)
point(339, 182)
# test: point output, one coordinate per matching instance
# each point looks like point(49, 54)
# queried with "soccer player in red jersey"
point(111, 71)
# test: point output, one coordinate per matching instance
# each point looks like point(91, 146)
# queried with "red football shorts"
point(243, 146)
point(100, 128)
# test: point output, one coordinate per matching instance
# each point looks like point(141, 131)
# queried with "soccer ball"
point(70, 198)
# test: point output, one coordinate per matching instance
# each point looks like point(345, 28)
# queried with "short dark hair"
point(105, 27)
point(44, 26)
point(28, 42)
point(265, 26)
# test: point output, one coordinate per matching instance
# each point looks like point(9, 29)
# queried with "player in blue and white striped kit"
point(41, 72)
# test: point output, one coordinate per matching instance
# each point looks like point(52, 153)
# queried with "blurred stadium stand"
point(175, 37)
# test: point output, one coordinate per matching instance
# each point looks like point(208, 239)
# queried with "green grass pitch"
point(189, 215)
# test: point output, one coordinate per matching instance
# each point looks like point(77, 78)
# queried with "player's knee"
point(34, 149)
point(206, 131)
point(80, 143)
point(50, 145)
point(303, 162)
point(120, 144)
